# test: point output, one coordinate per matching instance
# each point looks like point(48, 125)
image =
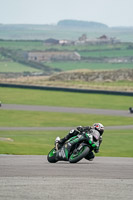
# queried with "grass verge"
point(11, 118)
point(115, 143)
point(69, 65)
point(67, 99)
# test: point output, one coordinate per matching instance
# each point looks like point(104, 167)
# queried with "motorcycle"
point(75, 149)
point(131, 110)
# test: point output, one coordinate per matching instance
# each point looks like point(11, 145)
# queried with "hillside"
point(81, 24)
point(94, 75)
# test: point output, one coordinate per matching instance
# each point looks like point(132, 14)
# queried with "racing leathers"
point(79, 131)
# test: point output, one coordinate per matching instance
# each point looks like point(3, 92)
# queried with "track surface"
point(32, 177)
point(66, 109)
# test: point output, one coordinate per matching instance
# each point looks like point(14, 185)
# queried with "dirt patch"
point(6, 139)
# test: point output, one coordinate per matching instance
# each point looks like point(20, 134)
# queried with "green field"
point(10, 66)
point(115, 143)
point(66, 99)
point(72, 65)
point(39, 45)
point(108, 53)
point(55, 119)
point(23, 45)
point(15, 67)
point(2, 58)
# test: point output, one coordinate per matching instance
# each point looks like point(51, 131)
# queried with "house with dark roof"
point(51, 41)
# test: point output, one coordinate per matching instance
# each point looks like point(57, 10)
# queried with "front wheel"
point(75, 157)
point(52, 156)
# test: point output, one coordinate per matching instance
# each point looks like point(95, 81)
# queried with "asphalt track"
point(124, 113)
point(32, 178)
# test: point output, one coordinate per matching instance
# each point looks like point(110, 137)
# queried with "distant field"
point(66, 99)
point(24, 45)
point(2, 58)
point(15, 67)
point(108, 53)
point(72, 65)
point(41, 142)
point(45, 32)
point(10, 66)
point(39, 45)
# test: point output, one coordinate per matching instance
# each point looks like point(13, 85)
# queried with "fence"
point(67, 89)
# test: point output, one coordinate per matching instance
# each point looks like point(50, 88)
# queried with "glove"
point(83, 128)
point(86, 128)
point(62, 141)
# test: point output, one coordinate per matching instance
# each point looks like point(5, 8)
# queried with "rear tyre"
point(52, 156)
point(75, 157)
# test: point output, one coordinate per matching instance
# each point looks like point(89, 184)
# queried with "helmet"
point(99, 127)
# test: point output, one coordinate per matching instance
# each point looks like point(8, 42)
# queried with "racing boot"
point(90, 156)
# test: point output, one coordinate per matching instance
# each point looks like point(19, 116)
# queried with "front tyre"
point(75, 157)
point(51, 157)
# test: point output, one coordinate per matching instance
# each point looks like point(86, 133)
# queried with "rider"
point(79, 131)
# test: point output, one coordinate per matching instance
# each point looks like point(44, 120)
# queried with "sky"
point(109, 12)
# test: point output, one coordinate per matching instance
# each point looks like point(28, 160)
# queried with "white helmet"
point(99, 127)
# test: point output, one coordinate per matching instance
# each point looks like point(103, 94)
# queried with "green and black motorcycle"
point(75, 149)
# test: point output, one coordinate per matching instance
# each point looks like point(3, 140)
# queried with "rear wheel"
point(77, 156)
point(52, 156)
